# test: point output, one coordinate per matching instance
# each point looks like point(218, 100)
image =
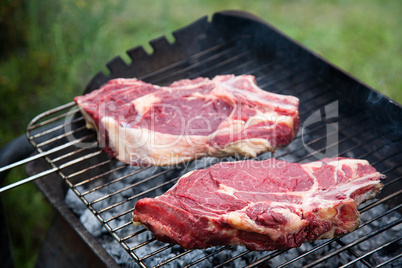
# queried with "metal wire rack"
point(340, 127)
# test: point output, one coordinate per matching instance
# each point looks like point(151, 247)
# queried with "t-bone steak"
point(264, 205)
point(145, 124)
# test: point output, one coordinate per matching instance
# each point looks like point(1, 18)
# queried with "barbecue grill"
point(340, 116)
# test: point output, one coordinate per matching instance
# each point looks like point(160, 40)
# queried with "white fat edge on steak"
point(89, 122)
point(327, 208)
point(270, 116)
point(126, 81)
point(248, 148)
point(145, 103)
point(140, 144)
point(224, 88)
point(352, 163)
point(254, 146)
point(132, 144)
point(347, 188)
point(224, 91)
point(235, 126)
point(191, 85)
point(257, 89)
point(239, 219)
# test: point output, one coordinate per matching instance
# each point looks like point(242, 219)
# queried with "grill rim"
point(243, 14)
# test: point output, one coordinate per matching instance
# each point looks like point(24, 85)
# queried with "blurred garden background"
point(49, 50)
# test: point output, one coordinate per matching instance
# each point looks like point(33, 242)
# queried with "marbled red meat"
point(264, 205)
point(145, 124)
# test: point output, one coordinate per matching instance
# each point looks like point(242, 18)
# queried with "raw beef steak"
point(144, 124)
point(264, 205)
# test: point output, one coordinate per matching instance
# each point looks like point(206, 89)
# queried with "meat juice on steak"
point(264, 205)
point(145, 124)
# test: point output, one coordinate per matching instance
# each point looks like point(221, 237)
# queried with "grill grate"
point(334, 123)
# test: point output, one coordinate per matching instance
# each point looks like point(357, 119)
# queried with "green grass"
point(60, 45)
